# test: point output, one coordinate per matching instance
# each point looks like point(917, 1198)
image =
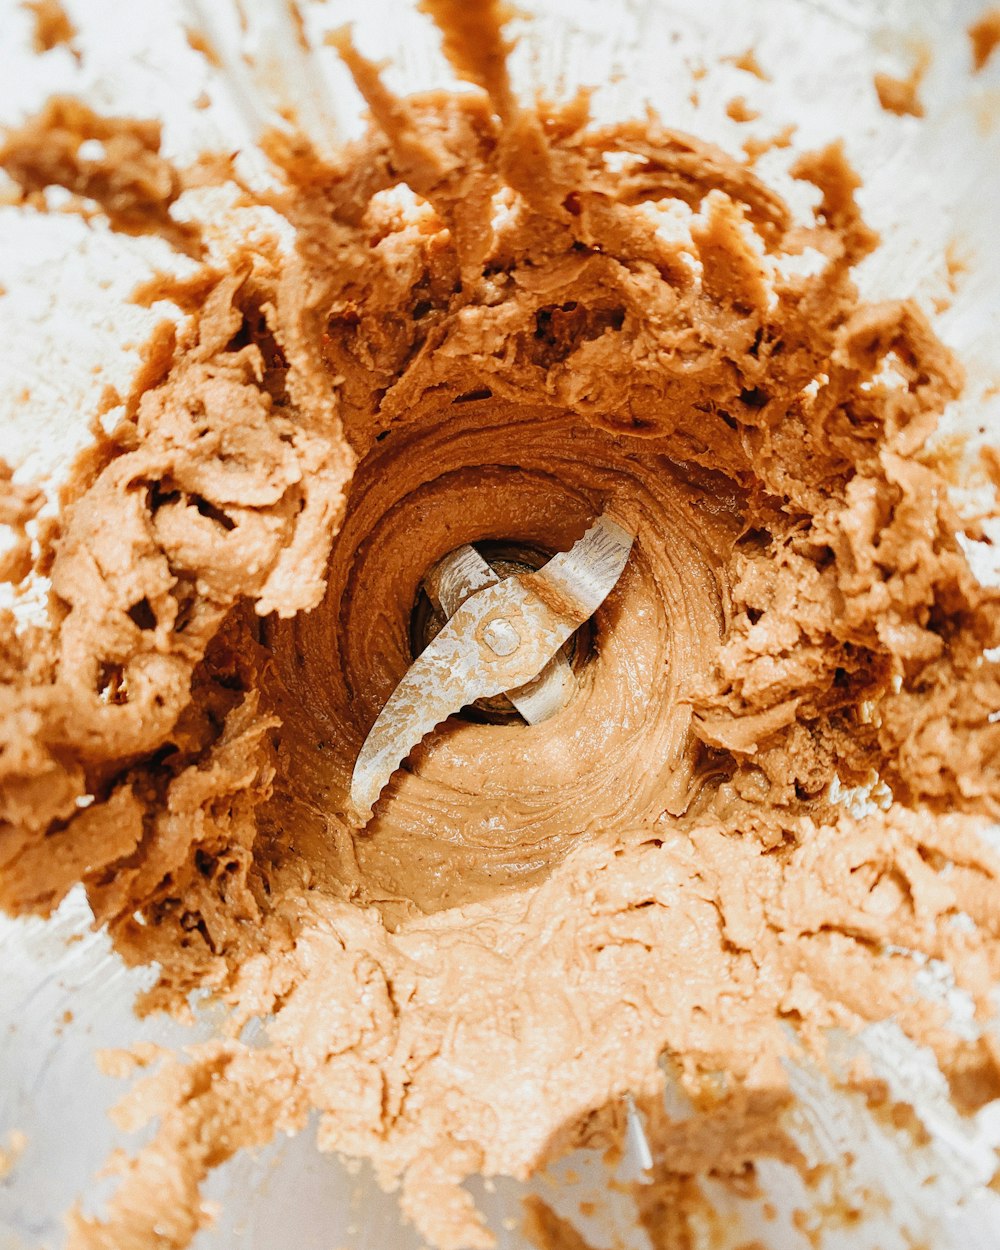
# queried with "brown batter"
point(984, 35)
point(902, 95)
point(52, 26)
point(536, 915)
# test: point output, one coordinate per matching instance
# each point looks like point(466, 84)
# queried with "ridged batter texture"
point(484, 332)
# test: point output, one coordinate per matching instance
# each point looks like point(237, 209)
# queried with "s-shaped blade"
point(460, 574)
point(499, 639)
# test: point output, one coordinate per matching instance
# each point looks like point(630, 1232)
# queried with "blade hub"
point(507, 559)
point(501, 637)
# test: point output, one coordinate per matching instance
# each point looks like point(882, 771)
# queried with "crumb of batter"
point(52, 26)
point(124, 1063)
point(17, 1143)
point(747, 61)
point(669, 1208)
point(902, 95)
point(547, 1230)
point(19, 505)
point(956, 266)
point(130, 182)
point(738, 109)
point(755, 147)
point(480, 333)
point(200, 42)
point(984, 35)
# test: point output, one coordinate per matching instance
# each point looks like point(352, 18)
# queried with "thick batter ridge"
point(481, 334)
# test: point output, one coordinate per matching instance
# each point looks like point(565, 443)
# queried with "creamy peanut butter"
point(482, 335)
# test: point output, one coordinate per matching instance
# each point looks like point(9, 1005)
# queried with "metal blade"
point(453, 579)
point(499, 639)
point(460, 574)
point(579, 580)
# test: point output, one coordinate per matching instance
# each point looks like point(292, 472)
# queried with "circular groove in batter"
point(481, 807)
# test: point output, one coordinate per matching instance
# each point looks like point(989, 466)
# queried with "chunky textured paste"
point(481, 332)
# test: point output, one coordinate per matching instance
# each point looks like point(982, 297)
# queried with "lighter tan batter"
point(535, 916)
